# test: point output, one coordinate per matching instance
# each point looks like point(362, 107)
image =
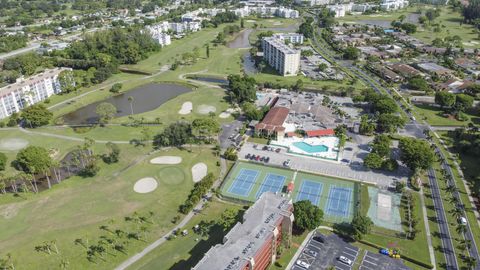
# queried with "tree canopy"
point(106, 112)
point(307, 215)
point(34, 159)
point(361, 225)
point(243, 89)
point(3, 161)
point(176, 134)
point(416, 154)
point(36, 115)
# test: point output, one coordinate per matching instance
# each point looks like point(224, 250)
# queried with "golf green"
point(171, 175)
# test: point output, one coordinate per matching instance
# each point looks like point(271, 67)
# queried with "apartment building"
point(280, 56)
point(252, 244)
point(294, 38)
point(267, 11)
point(393, 4)
point(26, 92)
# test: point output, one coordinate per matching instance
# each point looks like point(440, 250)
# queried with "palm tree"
point(471, 262)
point(451, 189)
point(456, 212)
point(130, 99)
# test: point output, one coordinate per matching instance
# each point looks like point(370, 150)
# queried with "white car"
point(345, 260)
point(463, 220)
point(303, 264)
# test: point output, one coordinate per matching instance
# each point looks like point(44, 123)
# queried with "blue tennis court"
point(339, 201)
point(243, 183)
point(310, 190)
point(273, 183)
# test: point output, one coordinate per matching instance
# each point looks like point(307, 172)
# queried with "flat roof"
point(32, 79)
point(280, 45)
point(245, 239)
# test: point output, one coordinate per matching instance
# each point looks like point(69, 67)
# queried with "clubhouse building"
point(252, 244)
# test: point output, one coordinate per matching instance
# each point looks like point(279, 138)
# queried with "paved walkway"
point(427, 229)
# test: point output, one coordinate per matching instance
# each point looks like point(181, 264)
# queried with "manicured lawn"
point(185, 251)
point(416, 248)
point(77, 207)
point(288, 254)
point(434, 116)
point(258, 140)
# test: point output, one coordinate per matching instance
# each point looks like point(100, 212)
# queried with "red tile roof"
point(320, 132)
point(274, 119)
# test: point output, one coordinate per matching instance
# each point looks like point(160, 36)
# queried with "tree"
point(389, 123)
point(373, 161)
point(322, 67)
point(341, 133)
point(471, 12)
point(416, 154)
point(34, 160)
point(3, 161)
point(306, 29)
point(208, 51)
point(298, 85)
point(409, 28)
point(361, 225)
point(381, 145)
point(385, 105)
point(419, 83)
point(445, 99)
point(67, 81)
point(176, 134)
point(367, 127)
point(228, 219)
point(251, 111)
point(113, 153)
point(116, 87)
point(106, 112)
point(243, 89)
point(36, 115)
point(131, 100)
point(307, 215)
point(351, 53)
point(463, 102)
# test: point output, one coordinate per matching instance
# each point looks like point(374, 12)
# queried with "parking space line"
point(354, 254)
point(371, 257)
point(353, 249)
point(369, 263)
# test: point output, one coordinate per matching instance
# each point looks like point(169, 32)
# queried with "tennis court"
point(273, 183)
point(243, 183)
point(339, 199)
point(310, 190)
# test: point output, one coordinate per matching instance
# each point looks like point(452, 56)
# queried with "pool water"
point(259, 95)
point(310, 148)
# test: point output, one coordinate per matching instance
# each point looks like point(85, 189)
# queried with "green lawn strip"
point(434, 116)
point(417, 248)
point(433, 225)
point(288, 254)
point(77, 207)
point(470, 215)
point(185, 251)
point(364, 200)
point(257, 140)
point(448, 207)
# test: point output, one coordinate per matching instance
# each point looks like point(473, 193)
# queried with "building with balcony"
point(280, 56)
point(252, 244)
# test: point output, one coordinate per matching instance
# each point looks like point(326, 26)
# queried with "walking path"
point(427, 230)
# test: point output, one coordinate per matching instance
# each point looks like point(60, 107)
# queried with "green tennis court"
point(336, 197)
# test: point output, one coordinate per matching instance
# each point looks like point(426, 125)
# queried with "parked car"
point(265, 147)
point(277, 150)
point(384, 251)
point(252, 157)
point(267, 159)
point(262, 158)
point(287, 163)
point(257, 158)
point(310, 252)
point(303, 264)
point(462, 220)
point(247, 156)
point(345, 260)
point(319, 238)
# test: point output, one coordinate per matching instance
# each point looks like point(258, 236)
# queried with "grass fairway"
point(78, 207)
point(185, 251)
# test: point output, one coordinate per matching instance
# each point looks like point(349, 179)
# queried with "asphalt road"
point(414, 129)
point(448, 250)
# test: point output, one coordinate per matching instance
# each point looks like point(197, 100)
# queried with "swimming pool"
point(310, 148)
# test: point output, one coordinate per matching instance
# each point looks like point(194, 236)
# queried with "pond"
point(241, 41)
point(249, 64)
point(145, 98)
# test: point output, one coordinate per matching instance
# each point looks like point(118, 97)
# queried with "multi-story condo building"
point(26, 92)
point(180, 28)
point(291, 37)
point(252, 244)
point(393, 4)
point(280, 56)
point(267, 11)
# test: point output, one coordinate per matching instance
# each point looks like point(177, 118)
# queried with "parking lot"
point(230, 134)
point(376, 261)
point(354, 170)
point(320, 255)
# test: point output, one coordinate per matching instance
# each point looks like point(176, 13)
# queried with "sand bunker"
point(251, 21)
point(12, 144)
point(206, 109)
point(224, 115)
point(145, 185)
point(186, 108)
point(166, 160)
point(199, 171)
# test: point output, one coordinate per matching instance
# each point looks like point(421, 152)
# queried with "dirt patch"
point(206, 109)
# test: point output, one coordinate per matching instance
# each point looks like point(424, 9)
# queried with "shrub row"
point(199, 189)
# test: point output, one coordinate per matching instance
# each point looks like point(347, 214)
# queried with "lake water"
point(241, 41)
point(145, 98)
